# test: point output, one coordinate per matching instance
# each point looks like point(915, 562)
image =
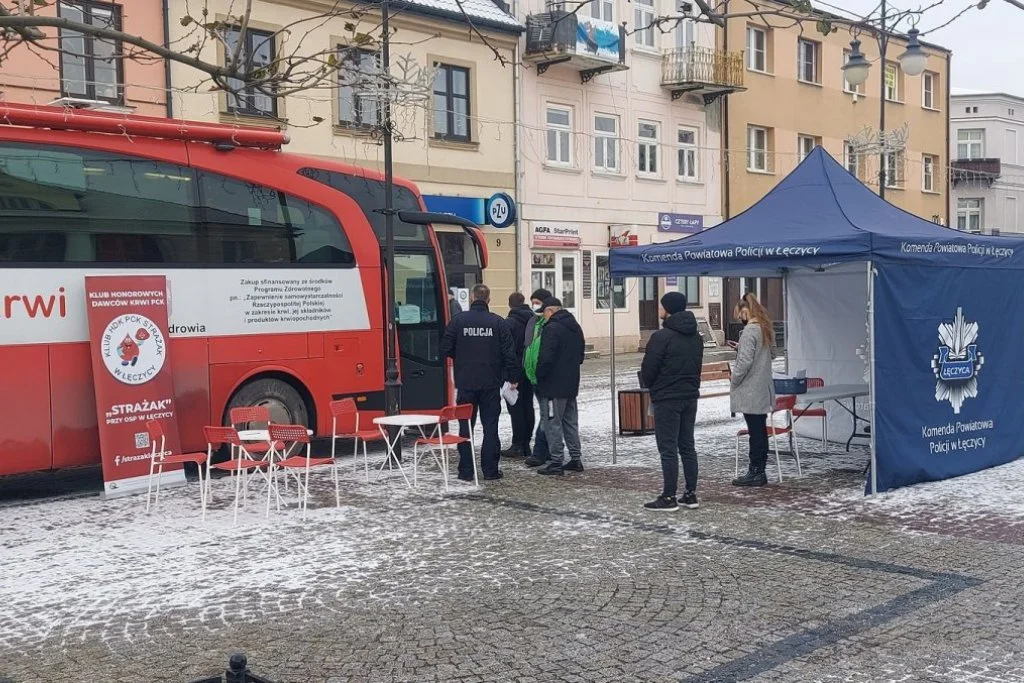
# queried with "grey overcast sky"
point(988, 53)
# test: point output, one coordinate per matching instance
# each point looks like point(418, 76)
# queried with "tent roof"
point(818, 216)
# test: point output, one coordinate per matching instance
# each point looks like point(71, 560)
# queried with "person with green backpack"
point(541, 454)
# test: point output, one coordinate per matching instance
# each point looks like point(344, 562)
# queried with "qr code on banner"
point(142, 440)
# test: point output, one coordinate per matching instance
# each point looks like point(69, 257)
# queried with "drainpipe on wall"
point(169, 100)
point(517, 190)
point(949, 161)
point(726, 177)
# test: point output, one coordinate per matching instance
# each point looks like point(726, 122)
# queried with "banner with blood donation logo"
point(131, 373)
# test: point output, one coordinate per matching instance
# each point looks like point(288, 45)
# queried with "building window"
point(559, 134)
point(257, 52)
point(1009, 216)
point(757, 49)
point(1011, 112)
point(606, 143)
point(892, 83)
point(928, 163)
point(686, 34)
point(805, 144)
point(968, 215)
point(451, 103)
point(647, 148)
point(851, 159)
point(603, 9)
point(929, 90)
point(686, 139)
point(603, 281)
point(91, 68)
point(690, 287)
point(356, 105)
point(970, 143)
point(643, 23)
point(808, 59)
point(858, 89)
point(894, 170)
point(757, 149)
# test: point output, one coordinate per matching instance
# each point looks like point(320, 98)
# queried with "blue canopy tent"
point(931, 318)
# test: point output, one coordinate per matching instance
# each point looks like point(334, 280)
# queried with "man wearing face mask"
point(531, 353)
point(671, 371)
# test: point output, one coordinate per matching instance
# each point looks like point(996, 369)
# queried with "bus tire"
point(284, 402)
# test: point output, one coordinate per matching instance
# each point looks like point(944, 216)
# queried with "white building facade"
point(619, 143)
point(987, 159)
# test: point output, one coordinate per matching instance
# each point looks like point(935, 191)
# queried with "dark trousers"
point(540, 444)
point(486, 406)
point(673, 433)
point(523, 418)
point(757, 425)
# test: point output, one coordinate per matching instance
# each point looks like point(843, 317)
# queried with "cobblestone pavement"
point(526, 579)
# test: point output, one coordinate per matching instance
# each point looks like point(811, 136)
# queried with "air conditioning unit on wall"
point(91, 105)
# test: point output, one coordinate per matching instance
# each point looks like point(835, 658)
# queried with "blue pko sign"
point(501, 210)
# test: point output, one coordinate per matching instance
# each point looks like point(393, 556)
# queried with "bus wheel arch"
point(285, 396)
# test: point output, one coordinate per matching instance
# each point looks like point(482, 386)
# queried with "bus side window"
point(249, 223)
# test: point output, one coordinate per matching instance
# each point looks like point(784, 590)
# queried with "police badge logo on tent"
point(958, 362)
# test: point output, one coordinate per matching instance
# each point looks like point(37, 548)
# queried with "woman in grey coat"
point(753, 392)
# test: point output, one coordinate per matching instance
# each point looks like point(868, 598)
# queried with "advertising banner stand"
point(131, 369)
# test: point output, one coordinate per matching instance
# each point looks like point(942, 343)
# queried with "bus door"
point(420, 314)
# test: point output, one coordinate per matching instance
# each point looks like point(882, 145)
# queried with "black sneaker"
point(755, 477)
point(514, 451)
point(550, 469)
point(493, 477)
point(534, 461)
point(573, 466)
point(662, 504)
point(466, 477)
point(689, 500)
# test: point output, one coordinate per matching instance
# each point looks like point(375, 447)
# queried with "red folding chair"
point(783, 405)
point(158, 458)
point(345, 425)
point(298, 435)
point(240, 464)
point(439, 442)
point(252, 417)
point(808, 411)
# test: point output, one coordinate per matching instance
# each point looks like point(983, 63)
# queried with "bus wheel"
point(284, 403)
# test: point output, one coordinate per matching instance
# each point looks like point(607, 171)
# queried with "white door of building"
point(558, 273)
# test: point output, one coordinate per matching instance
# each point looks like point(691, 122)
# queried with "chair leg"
point(824, 434)
point(737, 456)
point(355, 455)
point(305, 492)
point(159, 476)
point(149, 488)
point(337, 488)
point(366, 462)
point(415, 464)
point(778, 458)
point(238, 483)
point(270, 488)
point(202, 489)
point(444, 465)
point(796, 453)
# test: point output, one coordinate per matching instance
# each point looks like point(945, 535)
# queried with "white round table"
point(402, 422)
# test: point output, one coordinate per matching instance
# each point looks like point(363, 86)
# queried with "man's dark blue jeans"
point(486, 405)
point(540, 444)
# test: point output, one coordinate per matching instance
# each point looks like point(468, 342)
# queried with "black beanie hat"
point(673, 302)
point(552, 301)
point(540, 295)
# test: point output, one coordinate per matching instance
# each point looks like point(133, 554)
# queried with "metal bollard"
point(237, 672)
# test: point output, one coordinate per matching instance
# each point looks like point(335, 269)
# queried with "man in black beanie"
point(671, 372)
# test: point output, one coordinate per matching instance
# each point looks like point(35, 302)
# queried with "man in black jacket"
point(558, 384)
point(485, 358)
point(671, 372)
point(519, 318)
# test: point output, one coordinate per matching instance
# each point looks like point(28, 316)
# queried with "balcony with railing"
point(701, 71)
point(588, 45)
point(975, 171)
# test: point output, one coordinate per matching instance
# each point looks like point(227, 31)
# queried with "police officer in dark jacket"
point(520, 316)
point(562, 348)
point(671, 371)
point(485, 358)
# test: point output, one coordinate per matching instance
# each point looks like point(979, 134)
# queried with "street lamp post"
point(855, 71)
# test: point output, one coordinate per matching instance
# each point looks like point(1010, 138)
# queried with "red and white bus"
point(274, 270)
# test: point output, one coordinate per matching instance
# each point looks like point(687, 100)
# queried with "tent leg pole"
point(785, 320)
point(611, 341)
point(871, 375)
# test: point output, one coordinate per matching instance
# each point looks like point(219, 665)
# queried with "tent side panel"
point(827, 337)
point(949, 371)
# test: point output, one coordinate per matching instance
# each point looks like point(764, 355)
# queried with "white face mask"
point(538, 308)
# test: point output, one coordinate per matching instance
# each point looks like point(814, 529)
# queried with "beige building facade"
point(454, 131)
point(797, 98)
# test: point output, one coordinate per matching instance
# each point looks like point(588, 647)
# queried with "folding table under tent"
point(931, 318)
